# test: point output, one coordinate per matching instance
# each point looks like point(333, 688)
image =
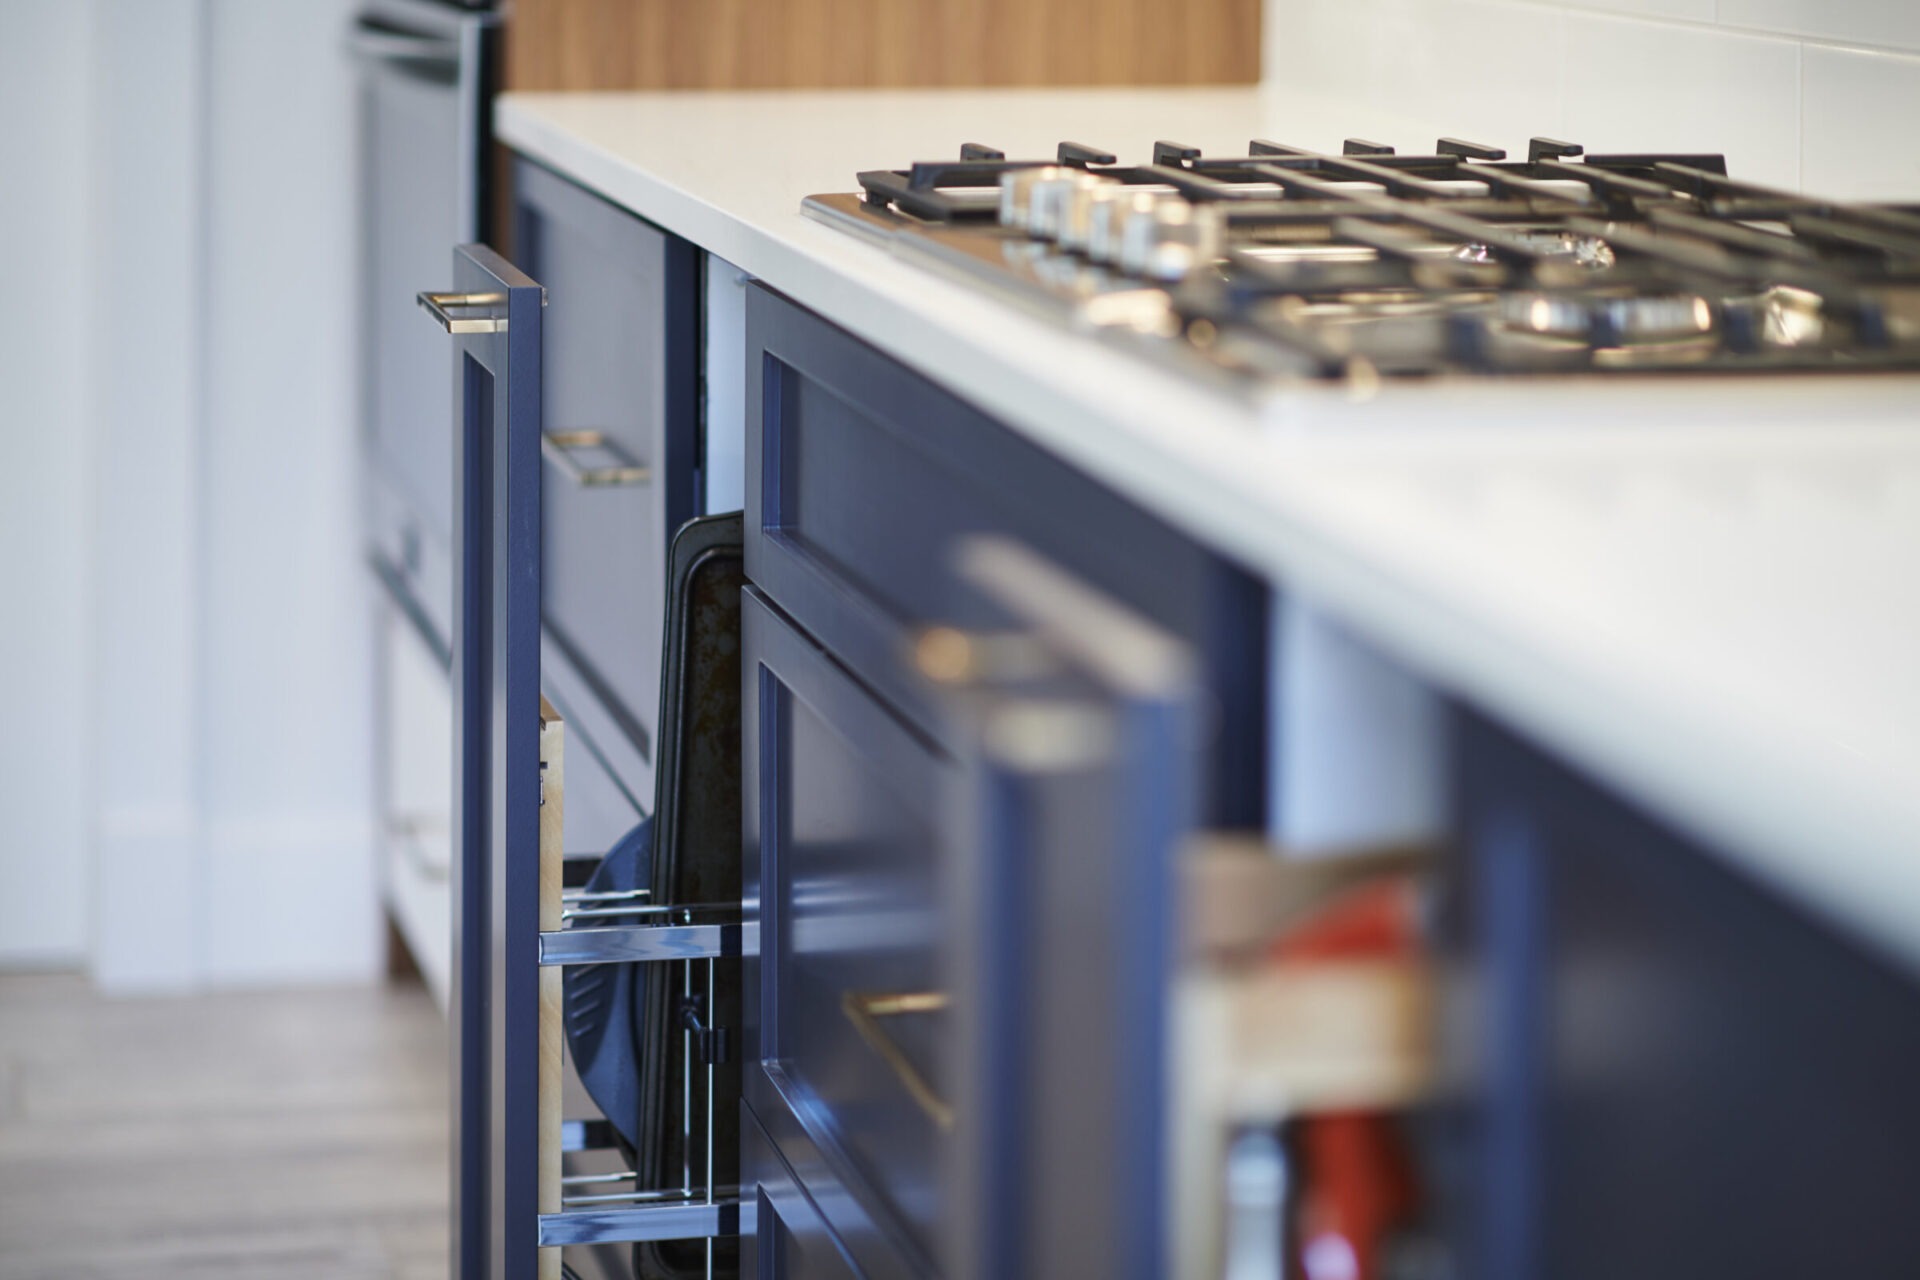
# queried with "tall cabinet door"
point(493, 315)
point(1079, 730)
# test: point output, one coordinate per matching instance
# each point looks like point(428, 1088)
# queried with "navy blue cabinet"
point(502, 1003)
point(494, 316)
point(1674, 1072)
point(574, 445)
point(956, 1021)
point(619, 449)
point(962, 804)
point(861, 475)
point(844, 798)
point(983, 701)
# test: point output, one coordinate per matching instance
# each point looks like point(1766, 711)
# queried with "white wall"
point(185, 620)
point(147, 252)
point(286, 637)
point(1815, 93)
point(44, 80)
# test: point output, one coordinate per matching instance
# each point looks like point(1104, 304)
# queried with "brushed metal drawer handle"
point(558, 446)
point(453, 311)
point(864, 1009)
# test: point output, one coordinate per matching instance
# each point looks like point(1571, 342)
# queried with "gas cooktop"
point(1286, 262)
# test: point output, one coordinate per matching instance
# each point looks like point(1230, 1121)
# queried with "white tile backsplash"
point(1406, 72)
point(1486, 73)
point(1892, 23)
point(1795, 92)
point(1686, 10)
point(1640, 86)
point(1323, 51)
point(1859, 114)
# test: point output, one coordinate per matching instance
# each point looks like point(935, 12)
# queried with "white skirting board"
point(258, 903)
point(291, 901)
point(146, 928)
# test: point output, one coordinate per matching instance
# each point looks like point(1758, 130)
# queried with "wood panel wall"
point(767, 44)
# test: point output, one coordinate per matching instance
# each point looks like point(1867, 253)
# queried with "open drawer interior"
point(1302, 1066)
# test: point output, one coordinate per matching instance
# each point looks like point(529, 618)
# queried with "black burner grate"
point(1460, 258)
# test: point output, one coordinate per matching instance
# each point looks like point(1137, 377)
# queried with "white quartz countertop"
point(1705, 592)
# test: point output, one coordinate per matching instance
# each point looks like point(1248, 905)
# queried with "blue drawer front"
point(622, 353)
point(848, 862)
point(861, 478)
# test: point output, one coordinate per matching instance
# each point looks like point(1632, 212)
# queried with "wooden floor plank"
point(295, 1135)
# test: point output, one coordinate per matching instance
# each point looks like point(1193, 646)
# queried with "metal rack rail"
point(696, 1208)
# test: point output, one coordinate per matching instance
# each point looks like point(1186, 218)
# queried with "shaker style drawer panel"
point(850, 979)
point(862, 476)
point(619, 422)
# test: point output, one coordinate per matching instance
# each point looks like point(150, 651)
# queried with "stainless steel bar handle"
point(454, 311)
point(666, 1220)
point(687, 910)
point(648, 943)
point(581, 1179)
point(640, 1197)
point(560, 447)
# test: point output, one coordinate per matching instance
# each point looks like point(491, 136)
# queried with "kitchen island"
point(1630, 656)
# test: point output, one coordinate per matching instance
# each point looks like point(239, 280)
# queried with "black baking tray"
point(696, 859)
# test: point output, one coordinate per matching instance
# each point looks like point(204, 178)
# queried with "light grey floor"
point(286, 1136)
